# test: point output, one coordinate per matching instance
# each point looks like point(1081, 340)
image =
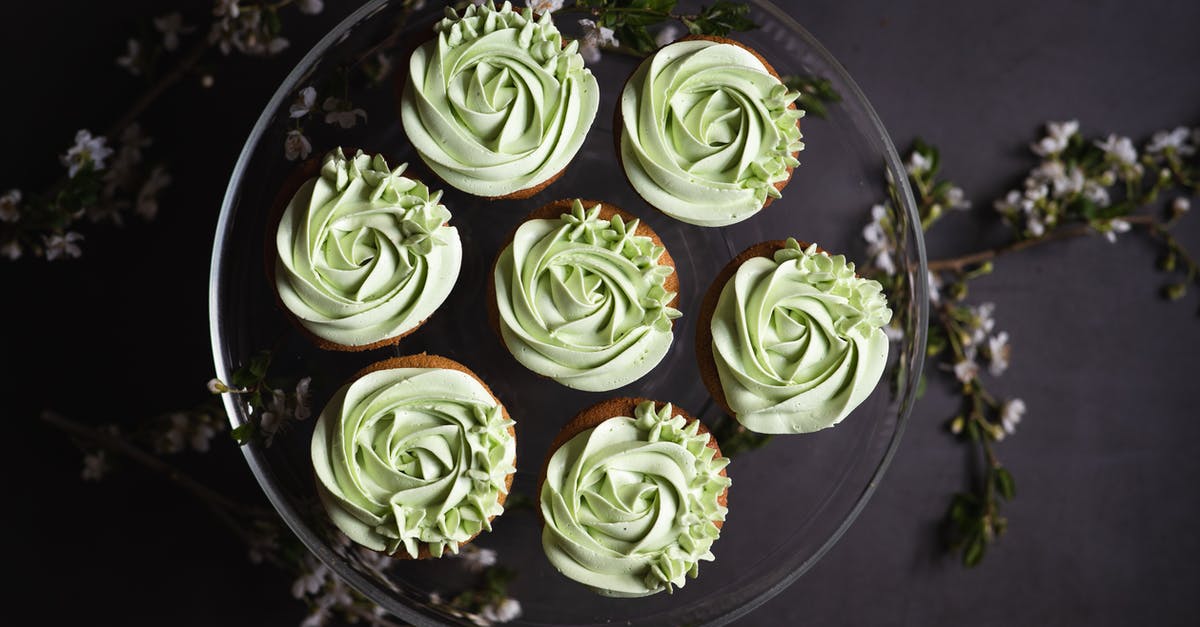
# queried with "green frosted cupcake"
point(633, 496)
point(496, 104)
point(363, 255)
point(709, 133)
point(585, 294)
point(414, 457)
point(790, 340)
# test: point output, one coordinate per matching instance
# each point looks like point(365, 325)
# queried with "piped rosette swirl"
point(364, 254)
point(414, 457)
point(797, 338)
point(709, 134)
point(584, 294)
point(496, 104)
point(633, 498)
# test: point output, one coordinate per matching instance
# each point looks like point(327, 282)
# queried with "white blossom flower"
point(217, 386)
point(312, 579)
point(95, 466)
point(338, 112)
point(276, 414)
point(303, 399)
point(1071, 182)
point(542, 7)
point(1119, 150)
point(935, 284)
point(918, 163)
point(1010, 204)
point(501, 611)
point(10, 202)
point(1097, 193)
point(202, 436)
point(226, 8)
point(998, 353)
point(879, 246)
point(276, 45)
point(435, 598)
point(1115, 226)
point(594, 37)
point(1057, 137)
point(1035, 225)
point(966, 370)
point(311, 7)
point(123, 170)
point(62, 245)
point(306, 99)
point(132, 59)
point(1175, 139)
point(982, 322)
point(147, 198)
point(1179, 205)
point(172, 440)
point(87, 150)
point(957, 199)
point(318, 617)
point(171, 26)
point(1010, 415)
point(476, 559)
point(11, 250)
point(668, 34)
point(296, 146)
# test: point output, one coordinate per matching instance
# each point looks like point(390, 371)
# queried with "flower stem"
point(120, 446)
point(957, 264)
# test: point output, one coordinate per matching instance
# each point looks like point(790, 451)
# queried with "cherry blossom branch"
point(119, 446)
point(181, 69)
point(958, 264)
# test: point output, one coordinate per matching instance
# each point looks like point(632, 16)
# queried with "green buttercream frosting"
point(707, 132)
point(412, 457)
point(581, 300)
point(798, 340)
point(363, 253)
point(630, 505)
point(496, 104)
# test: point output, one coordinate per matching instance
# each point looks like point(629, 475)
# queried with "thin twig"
point(120, 446)
point(957, 264)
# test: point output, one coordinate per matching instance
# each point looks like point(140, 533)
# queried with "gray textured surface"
point(1102, 532)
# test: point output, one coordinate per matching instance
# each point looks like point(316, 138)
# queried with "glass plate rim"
point(253, 456)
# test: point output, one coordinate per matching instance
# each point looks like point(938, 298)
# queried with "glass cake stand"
point(790, 500)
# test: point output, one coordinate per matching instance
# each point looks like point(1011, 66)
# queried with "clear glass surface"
point(790, 500)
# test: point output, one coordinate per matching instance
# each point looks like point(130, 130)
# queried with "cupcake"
point(414, 457)
point(633, 494)
point(363, 255)
point(585, 294)
point(496, 104)
point(790, 340)
point(709, 134)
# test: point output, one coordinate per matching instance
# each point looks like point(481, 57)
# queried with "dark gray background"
point(1103, 531)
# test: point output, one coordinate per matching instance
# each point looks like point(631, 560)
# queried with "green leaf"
point(1005, 484)
point(720, 19)
point(973, 553)
point(260, 363)
point(635, 37)
point(244, 433)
